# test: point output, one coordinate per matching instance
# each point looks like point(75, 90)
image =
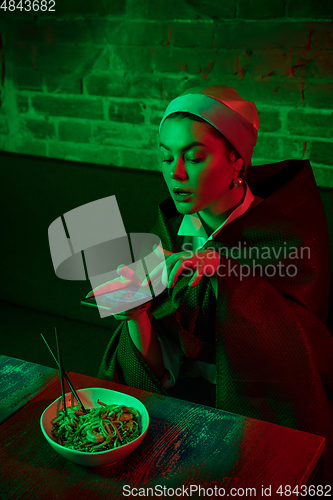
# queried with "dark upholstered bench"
point(36, 191)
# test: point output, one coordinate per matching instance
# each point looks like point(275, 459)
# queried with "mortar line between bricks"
point(295, 136)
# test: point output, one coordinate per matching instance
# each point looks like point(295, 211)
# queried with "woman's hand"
point(127, 278)
point(202, 263)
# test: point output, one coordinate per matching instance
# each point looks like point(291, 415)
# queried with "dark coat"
point(267, 332)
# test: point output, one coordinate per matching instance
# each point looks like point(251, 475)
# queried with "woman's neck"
point(214, 217)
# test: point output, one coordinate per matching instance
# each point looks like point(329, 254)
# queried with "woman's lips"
point(182, 195)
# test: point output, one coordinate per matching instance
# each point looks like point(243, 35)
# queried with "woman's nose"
point(179, 172)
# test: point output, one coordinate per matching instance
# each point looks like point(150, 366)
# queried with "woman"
point(248, 335)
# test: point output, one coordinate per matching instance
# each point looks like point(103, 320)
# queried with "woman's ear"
point(237, 164)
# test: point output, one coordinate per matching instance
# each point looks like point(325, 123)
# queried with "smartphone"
point(123, 298)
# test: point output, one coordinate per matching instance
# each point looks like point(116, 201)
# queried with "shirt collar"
point(191, 224)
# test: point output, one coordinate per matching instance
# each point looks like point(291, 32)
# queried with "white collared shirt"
point(192, 226)
point(193, 231)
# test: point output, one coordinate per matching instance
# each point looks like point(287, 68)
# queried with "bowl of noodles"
point(113, 427)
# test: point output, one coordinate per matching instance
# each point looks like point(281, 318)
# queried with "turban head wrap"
point(224, 109)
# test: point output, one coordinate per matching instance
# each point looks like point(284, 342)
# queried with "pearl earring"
point(238, 182)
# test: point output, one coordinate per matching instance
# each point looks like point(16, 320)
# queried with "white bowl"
point(89, 399)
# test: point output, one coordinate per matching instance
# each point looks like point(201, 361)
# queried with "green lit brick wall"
point(90, 81)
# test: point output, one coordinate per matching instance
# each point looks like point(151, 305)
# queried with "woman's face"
point(195, 161)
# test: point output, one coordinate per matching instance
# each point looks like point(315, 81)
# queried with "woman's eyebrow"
point(189, 146)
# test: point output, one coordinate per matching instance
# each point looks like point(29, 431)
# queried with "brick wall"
point(90, 81)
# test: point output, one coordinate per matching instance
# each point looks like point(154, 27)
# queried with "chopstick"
point(61, 371)
point(65, 375)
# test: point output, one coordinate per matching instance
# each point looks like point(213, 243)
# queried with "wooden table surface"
point(187, 445)
point(20, 381)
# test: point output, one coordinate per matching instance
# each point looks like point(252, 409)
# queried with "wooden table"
point(20, 381)
point(187, 445)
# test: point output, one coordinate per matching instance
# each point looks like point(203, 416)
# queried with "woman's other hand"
point(201, 263)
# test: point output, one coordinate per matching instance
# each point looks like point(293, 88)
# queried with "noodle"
point(100, 429)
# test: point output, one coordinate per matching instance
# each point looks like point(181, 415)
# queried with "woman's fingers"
point(177, 269)
point(161, 252)
point(128, 274)
point(175, 263)
point(197, 277)
point(200, 273)
point(171, 268)
point(165, 273)
point(108, 287)
point(185, 261)
point(160, 268)
point(126, 277)
point(154, 273)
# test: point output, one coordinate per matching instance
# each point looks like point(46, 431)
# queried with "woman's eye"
point(195, 160)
